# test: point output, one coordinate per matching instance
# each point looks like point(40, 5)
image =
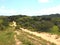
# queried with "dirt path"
point(17, 40)
point(45, 36)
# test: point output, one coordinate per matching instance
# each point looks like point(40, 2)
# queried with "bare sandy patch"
point(45, 36)
point(18, 42)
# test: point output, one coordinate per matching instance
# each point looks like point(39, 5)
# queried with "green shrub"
point(54, 29)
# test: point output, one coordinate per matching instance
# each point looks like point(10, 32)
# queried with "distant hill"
point(45, 23)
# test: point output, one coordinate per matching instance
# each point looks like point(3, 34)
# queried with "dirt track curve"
point(45, 36)
point(17, 40)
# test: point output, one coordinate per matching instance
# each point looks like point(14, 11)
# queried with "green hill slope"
point(45, 23)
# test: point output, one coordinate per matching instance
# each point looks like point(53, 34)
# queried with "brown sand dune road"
point(45, 36)
point(17, 40)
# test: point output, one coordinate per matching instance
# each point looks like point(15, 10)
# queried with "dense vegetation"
point(45, 23)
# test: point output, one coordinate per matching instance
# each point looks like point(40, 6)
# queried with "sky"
point(29, 7)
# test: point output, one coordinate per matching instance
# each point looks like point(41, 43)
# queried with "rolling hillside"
point(12, 34)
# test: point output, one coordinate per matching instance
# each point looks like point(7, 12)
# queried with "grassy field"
point(7, 37)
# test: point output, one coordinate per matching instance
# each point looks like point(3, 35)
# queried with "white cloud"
point(45, 11)
point(27, 12)
point(6, 11)
point(43, 1)
point(51, 10)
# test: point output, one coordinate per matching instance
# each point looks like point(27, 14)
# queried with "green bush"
point(54, 29)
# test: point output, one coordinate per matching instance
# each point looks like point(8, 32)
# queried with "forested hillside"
point(45, 23)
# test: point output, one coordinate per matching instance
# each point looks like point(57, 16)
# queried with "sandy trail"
point(17, 40)
point(45, 36)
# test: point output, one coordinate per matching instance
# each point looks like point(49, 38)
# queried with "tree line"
point(44, 23)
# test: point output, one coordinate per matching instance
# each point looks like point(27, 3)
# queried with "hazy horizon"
point(29, 7)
